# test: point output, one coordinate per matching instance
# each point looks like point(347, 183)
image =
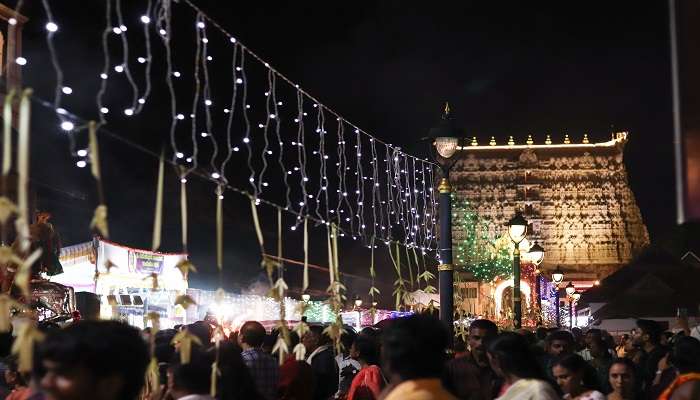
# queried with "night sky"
point(506, 69)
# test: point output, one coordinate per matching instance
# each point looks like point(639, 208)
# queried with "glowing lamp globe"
point(570, 289)
point(537, 254)
point(446, 146)
point(557, 276)
point(517, 228)
point(306, 297)
point(576, 296)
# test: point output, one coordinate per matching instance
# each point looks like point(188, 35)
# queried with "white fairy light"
point(104, 110)
point(188, 159)
point(82, 153)
point(204, 134)
point(209, 58)
point(117, 30)
point(235, 148)
point(200, 25)
point(61, 111)
point(129, 111)
point(119, 68)
point(221, 197)
point(162, 32)
point(123, 28)
point(266, 184)
point(176, 74)
point(246, 140)
point(145, 19)
point(179, 155)
point(238, 68)
point(103, 76)
point(81, 164)
point(67, 126)
point(215, 175)
point(21, 61)
point(261, 126)
point(141, 60)
point(232, 40)
point(205, 40)
point(239, 81)
point(12, 21)
point(180, 117)
point(142, 100)
point(208, 102)
point(183, 180)
point(51, 27)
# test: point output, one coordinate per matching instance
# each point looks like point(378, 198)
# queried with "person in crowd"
point(413, 355)
point(322, 361)
point(541, 334)
point(514, 362)
point(666, 339)
point(623, 380)
point(98, 360)
point(558, 344)
point(15, 380)
point(263, 367)
point(190, 381)
point(369, 381)
point(621, 348)
point(296, 377)
point(460, 348)
point(591, 335)
point(347, 366)
point(235, 381)
point(471, 376)
point(600, 361)
point(577, 380)
point(685, 358)
point(648, 339)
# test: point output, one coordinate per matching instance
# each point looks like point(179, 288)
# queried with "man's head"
point(189, 379)
point(251, 335)
point(313, 338)
point(559, 343)
point(100, 360)
point(648, 332)
point(414, 347)
point(591, 335)
point(480, 331)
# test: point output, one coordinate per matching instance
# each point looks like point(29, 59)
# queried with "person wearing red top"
point(368, 383)
point(296, 377)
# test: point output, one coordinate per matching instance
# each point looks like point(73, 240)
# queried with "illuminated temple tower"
point(575, 196)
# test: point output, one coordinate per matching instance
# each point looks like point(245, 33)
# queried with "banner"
point(145, 263)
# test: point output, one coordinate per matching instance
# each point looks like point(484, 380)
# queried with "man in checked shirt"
point(262, 366)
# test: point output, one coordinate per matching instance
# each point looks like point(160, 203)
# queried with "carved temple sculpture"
point(575, 196)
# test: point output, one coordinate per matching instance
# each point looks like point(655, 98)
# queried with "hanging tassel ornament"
point(185, 340)
point(22, 222)
point(7, 303)
point(24, 272)
point(27, 336)
point(99, 220)
point(158, 218)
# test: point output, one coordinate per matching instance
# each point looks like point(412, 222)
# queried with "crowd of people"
point(408, 360)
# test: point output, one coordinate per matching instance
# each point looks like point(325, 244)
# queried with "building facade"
point(575, 196)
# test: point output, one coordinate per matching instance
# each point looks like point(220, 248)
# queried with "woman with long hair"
point(511, 358)
point(623, 380)
point(685, 357)
point(576, 378)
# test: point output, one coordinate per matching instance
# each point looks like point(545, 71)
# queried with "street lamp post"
point(443, 141)
point(570, 290)
point(557, 278)
point(517, 228)
point(537, 255)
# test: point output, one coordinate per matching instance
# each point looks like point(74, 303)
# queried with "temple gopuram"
point(575, 196)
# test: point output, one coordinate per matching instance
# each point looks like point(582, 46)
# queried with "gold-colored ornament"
point(99, 221)
point(23, 347)
point(24, 272)
point(185, 266)
point(7, 209)
point(185, 301)
point(185, 339)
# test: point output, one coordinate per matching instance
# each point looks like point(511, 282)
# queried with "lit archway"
point(525, 292)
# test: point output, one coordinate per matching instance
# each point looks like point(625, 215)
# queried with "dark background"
point(506, 69)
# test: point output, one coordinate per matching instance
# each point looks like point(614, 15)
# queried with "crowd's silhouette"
point(407, 360)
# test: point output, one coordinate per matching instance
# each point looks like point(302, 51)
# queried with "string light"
point(82, 153)
point(67, 126)
point(51, 27)
point(81, 163)
point(21, 61)
point(145, 19)
point(104, 110)
point(12, 21)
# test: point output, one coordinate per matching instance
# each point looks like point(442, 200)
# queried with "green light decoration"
point(473, 250)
